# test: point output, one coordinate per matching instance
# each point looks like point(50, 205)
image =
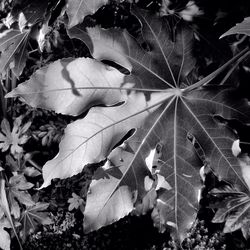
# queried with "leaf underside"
point(158, 103)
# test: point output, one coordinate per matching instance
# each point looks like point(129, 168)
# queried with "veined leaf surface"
point(240, 28)
point(4, 235)
point(13, 48)
point(71, 86)
point(233, 209)
point(164, 111)
point(33, 216)
point(78, 9)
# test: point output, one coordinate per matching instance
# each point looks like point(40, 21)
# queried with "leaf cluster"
point(142, 111)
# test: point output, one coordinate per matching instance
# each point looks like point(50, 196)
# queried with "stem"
point(211, 76)
point(35, 165)
point(3, 103)
point(234, 67)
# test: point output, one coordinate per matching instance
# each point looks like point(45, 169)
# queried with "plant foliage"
point(79, 9)
point(158, 103)
point(141, 111)
point(233, 209)
point(33, 216)
point(240, 28)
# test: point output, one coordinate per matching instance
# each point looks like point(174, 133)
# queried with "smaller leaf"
point(33, 12)
point(240, 28)
point(31, 172)
point(4, 235)
point(6, 208)
point(77, 10)
point(75, 202)
point(41, 38)
point(233, 208)
point(246, 229)
point(148, 202)
point(14, 207)
point(32, 217)
point(13, 48)
point(17, 190)
point(1, 213)
point(110, 199)
point(19, 182)
point(162, 183)
point(236, 150)
point(244, 161)
point(13, 138)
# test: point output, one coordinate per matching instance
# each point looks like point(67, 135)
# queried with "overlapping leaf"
point(4, 204)
point(233, 208)
point(17, 191)
point(163, 62)
point(78, 9)
point(240, 28)
point(163, 111)
point(30, 13)
point(13, 49)
point(14, 138)
point(22, 24)
point(4, 235)
point(91, 140)
point(120, 191)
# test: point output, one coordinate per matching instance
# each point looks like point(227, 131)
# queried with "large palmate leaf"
point(78, 9)
point(240, 28)
point(156, 107)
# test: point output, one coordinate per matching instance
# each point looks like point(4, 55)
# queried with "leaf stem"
point(97, 88)
point(35, 165)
